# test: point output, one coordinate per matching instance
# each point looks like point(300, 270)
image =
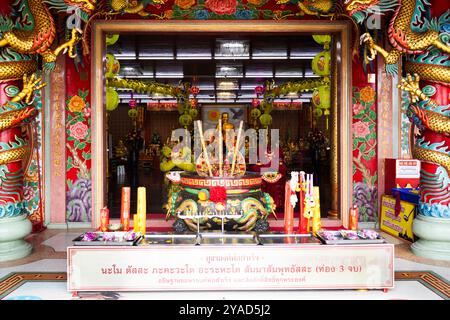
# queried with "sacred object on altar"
point(116, 238)
point(120, 150)
point(225, 125)
point(209, 197)
point(221, 194)
point(175, 155)
point(364, 236)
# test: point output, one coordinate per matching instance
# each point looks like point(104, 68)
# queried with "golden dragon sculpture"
point(40, 38)
point(25, 34)
point(402, 37)
point(425, 42)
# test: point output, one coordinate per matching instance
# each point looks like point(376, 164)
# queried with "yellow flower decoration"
point(76, 104)
point(258, 2)
point(185, 4)
point(168, 14)
point(367, 94)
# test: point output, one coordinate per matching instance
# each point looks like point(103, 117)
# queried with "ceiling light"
point(227, 85)
point(225, 69)
point(225, 95)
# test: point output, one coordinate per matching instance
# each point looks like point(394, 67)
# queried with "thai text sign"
point(161, 268)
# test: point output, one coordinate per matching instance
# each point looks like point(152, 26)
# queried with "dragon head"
point(359, 10)
point(87, 6)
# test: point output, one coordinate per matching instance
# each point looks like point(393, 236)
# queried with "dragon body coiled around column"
point(26, 33)
point(425, 40)
point(409, 31)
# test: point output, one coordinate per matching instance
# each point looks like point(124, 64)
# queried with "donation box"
point(397, 222)
point(401, 173)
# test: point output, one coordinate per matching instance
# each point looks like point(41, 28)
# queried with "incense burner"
point(231, 203)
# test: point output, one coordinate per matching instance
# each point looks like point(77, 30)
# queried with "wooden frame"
point(340, 28)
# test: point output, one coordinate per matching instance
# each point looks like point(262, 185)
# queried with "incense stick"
point(236, 148)
point(220, 148)
point(204, 147)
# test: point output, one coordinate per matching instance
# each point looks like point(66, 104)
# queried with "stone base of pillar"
point(12, 232)
point(434, 238)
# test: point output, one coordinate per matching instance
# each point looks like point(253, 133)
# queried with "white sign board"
point(161, 268)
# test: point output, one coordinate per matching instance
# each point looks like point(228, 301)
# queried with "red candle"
point(104, 219)
point(288, 210)
point(302, 220)
point(125, 209)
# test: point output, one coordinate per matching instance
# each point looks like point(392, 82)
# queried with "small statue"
point(120, 150)
point(225, 125)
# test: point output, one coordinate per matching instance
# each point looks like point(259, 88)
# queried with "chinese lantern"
point(321, 97)
point(321, 63)
point(132, 113)
point(132, 103)
point(111, 39)
point(323, 39)
point(112, 66)
point(195, 90)
point(259, 90)
point(112, 99)
point(194, 103)
point(255, 103)
point(255, 113)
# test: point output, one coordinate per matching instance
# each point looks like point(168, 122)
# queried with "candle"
point(353, 219)
point(125, 209)
point(104, 219)
point(135, 223)
point(142, 209)
point(316, 223)
point(302, 220)
point(288, 209)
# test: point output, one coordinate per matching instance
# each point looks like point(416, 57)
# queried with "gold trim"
point(333, 212)
point(341, 29)
point(228, 183)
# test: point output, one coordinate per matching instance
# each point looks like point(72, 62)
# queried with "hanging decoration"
point(323, 39)
point(321, 66)
point(186, 107)
point(112, 99)
point(321, 63)
point(111, 39)
point(271, 92)
point(112, 66)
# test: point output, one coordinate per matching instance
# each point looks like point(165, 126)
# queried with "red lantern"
point(194, 103)
point(132, 103)
point(195, 90)
point(255, 103)
point(259, 90)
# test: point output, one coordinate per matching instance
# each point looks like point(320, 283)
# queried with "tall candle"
point(353, 219)
point(142, 209)
point(302, 220)
point(135, 223)
point(288, 209)
point(125, 209)
point(104, 219)
point(316, 223)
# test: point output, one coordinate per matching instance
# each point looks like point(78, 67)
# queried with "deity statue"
point(120, 150)
point(225, 125)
